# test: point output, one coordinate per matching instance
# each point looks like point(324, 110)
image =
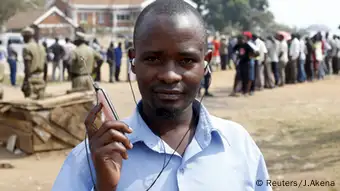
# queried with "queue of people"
point(275, 61)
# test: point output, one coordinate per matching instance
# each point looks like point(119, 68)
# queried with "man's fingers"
point(110, 136)
point(116, 125)
point(110, 150)
point(91, 117)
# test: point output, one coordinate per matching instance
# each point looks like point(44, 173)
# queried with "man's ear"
point(131, 55)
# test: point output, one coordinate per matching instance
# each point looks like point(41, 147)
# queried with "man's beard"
point(168, 113)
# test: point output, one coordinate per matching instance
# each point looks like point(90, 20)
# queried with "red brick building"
point(117, 16)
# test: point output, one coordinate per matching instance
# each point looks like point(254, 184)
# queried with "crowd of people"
point(276, 60)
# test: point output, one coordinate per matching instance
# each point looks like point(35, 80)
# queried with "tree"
point(246, 14)
point(8, 8)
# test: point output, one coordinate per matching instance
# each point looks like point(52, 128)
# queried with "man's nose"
point(169, 73)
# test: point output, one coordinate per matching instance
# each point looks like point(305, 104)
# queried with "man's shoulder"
point(235, 135)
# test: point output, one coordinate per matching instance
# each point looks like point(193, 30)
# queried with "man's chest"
point(214, 169)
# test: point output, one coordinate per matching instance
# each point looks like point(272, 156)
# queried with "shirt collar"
point(142, 133)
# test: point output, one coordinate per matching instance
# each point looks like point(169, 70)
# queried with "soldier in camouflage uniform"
point(83, 59)
point(34, 56)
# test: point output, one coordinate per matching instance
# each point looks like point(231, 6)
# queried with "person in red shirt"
point(216, 60)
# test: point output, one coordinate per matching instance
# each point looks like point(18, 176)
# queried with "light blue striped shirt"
point(222, 156)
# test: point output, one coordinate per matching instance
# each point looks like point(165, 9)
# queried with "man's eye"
point(152, 59)
point(187, 61)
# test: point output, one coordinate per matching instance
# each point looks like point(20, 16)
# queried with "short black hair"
point(169, 8)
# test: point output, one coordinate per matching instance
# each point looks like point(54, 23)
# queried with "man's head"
point(120, 45)
point(27, 34)
point(67, 40)
point(169, 53)
point(255, 37)
point(56, 40)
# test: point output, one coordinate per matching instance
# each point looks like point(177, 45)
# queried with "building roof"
point(34, 16)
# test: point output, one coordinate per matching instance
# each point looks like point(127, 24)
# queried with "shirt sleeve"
point(27, 55)
point(262, 177)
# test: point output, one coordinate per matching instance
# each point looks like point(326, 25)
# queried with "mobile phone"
point(108, 108)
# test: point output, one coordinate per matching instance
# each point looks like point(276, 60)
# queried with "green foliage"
point(242, 14)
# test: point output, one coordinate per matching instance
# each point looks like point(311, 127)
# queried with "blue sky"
point(302, 13)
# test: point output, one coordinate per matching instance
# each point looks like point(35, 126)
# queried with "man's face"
point(26, 37)
point(169, 62)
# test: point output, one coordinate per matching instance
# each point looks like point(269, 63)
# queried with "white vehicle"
point(17, 42)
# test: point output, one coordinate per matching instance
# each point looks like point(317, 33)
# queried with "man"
point(283, 59)
point(3, 56)
point(12, 58)
point(247, 51)
point(118, 60)
point(271, 68)
point(82, 64)
point(294, 54)
point(224, 53)
point(216, 60)
point(68, 48)
point(110, 55)
point(302, 60)
point(259, 63)
point(309, 65)
point(34, 56)
point(58, 54)
point(333, 54)
point(207, 153)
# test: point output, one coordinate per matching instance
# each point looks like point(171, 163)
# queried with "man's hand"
point(108, 146)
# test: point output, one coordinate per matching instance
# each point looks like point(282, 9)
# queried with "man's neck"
point(161, 126)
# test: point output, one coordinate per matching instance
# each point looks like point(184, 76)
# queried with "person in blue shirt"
point(171, 142)
point(118, 60)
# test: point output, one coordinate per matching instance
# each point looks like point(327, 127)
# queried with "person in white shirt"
point(302, 77)
point(259, 63)
point(283, 59)
point(294, 54)
point(273, 59)
point(3, 56)
point(68, 47)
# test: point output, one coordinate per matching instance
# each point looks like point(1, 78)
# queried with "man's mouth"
point(169, 95)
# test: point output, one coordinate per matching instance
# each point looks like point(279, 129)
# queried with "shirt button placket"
point(180, 178)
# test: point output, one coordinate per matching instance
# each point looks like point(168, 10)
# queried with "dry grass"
point(296, 127)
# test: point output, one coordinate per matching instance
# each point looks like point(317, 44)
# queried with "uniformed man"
point(34, 56)
point(83, 59)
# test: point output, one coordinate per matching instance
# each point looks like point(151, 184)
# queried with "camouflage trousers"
point(34, 86)
point(2, 77)
point(81, 83)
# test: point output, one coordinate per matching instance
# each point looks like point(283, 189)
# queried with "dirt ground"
point(296, 127)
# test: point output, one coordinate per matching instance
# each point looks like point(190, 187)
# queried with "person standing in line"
point(34, 56)
point(337, 58)
point(333, 54)
point(283, 59)
point(309, 66)
point(302, 61)
point(318, 65)
point(224, 53)
point(58, 54)
point(68, 48)
point(216, 61)
point(118, 60)
point(12, 61)
point(273, 46)
point(294, 55)
point(259, 63)
point(110, 55)
point(328, 54)
point(47, 61)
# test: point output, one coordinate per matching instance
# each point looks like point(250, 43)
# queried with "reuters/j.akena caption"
point(296, 183)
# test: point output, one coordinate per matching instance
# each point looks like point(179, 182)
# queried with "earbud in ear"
point(133, 62)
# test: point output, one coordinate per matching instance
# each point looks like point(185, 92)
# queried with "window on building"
point(123, 17)
point(83, 17)
point(100, 18)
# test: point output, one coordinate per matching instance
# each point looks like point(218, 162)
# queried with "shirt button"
point(181, 170)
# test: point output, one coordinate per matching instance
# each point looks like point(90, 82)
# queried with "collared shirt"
point(284, 50)
point(303, 50)
point(262, 49)
point(273, 50)
point(295, 49)
point(69, 47)
point(221, 156)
